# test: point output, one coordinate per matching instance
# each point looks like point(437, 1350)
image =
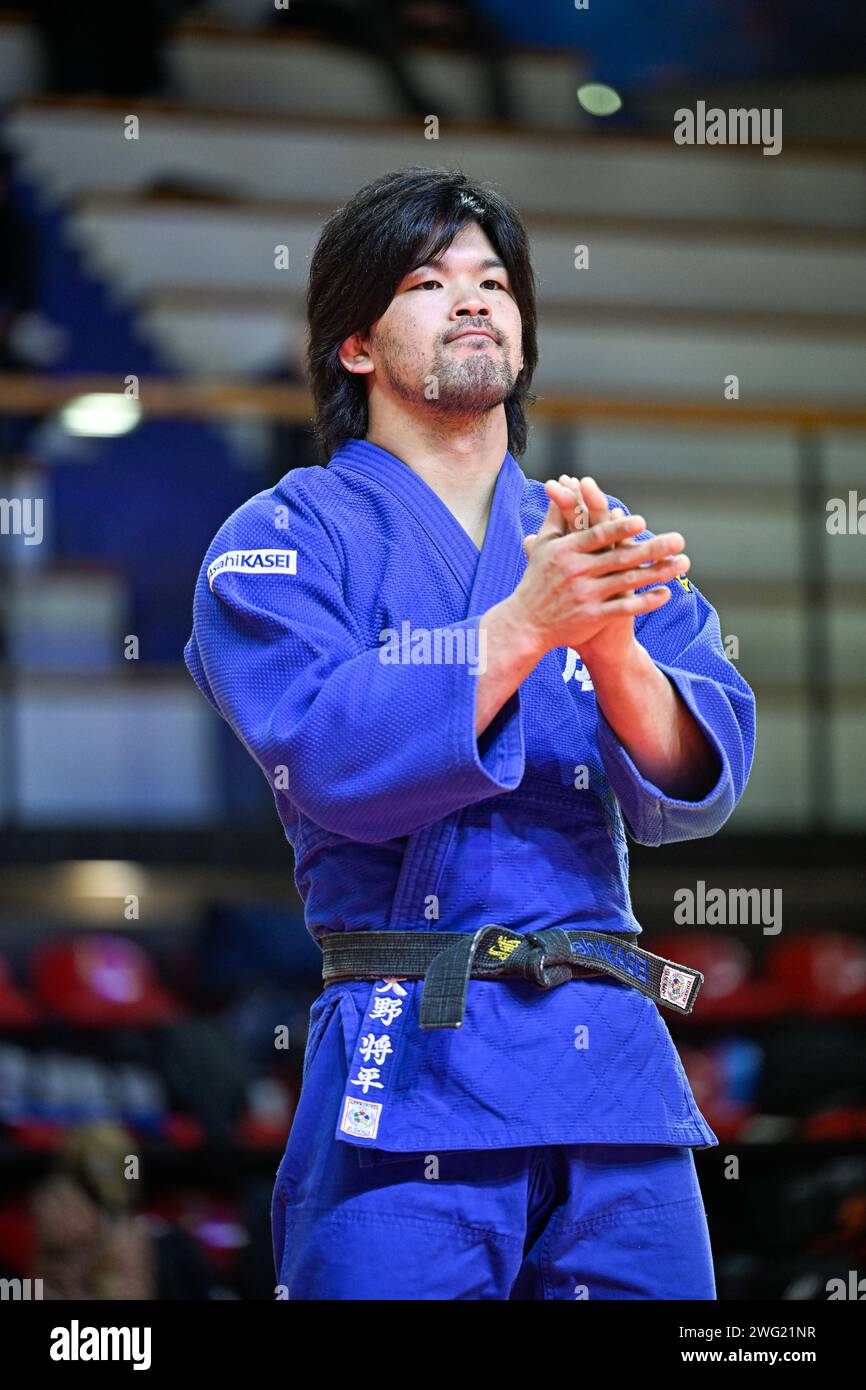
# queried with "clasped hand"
point(578, 589)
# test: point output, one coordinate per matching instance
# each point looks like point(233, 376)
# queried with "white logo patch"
point(675, 986)
point(361, 1117)
point(574, 667)
point(253, 562)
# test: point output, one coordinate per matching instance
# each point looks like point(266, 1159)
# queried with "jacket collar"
point(487, 575)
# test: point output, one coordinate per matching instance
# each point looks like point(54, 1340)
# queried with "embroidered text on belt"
point(547, 958)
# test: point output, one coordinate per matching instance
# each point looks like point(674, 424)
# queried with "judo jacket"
point(335, 628)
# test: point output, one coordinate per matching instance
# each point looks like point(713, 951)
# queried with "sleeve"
point(684, 640)
point(370, 741)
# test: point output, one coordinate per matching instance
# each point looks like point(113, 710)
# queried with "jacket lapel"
point(501, 554)
point(485, 576)
point(459, 552)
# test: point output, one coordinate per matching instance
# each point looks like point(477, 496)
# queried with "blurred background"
point(155, 160)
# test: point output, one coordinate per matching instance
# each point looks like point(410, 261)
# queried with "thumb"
point(554, 523)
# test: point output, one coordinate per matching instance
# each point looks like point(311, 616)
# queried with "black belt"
point(447, 960)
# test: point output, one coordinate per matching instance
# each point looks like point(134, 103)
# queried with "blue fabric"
point(401, 819)
point(585, 1222)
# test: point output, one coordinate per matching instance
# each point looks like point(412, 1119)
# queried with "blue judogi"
point(335, 629)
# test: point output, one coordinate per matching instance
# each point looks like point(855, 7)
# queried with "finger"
point(595, 500)
point(616, 514)
point(554, 526)
point(609, 533)
point(633, 604)
point(601, 511)
point(568, 498)
point(668, 546)
point(584, 510)
point(554, 523)
point(663, 571)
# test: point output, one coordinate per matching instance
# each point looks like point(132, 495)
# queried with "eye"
point(424, 283)
point(495, 283)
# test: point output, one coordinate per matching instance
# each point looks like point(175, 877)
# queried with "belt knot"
point(550, 961)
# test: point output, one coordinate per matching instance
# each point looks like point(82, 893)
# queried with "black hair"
point(400, 220)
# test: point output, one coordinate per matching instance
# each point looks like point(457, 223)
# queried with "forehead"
point(470, 239)
point(470, 245)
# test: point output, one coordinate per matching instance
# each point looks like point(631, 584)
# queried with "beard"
point(465, 382)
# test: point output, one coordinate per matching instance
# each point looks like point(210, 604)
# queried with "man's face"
point(424, 350)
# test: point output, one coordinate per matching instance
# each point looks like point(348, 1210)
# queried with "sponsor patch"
point(361, 1117)
point(676, 986)
point(253, 562)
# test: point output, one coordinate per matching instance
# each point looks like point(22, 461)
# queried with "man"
point(459, 683)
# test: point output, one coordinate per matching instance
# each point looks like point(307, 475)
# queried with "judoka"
point(523, 1135)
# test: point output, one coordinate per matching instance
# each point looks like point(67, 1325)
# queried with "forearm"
point(510, 652)
point(654, 724)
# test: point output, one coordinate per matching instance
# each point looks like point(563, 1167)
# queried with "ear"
point(355, 354)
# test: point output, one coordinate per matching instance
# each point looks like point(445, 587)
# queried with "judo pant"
point(581, 1221)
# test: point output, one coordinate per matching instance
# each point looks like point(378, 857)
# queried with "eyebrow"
point(491, 263)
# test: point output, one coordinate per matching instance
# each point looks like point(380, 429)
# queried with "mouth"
point(473, 333)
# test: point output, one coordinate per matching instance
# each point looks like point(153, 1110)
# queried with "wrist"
point(514, 633)
point(623, 656)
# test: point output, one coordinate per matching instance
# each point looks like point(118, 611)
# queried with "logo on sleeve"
point(253, 562)
point(683, 579)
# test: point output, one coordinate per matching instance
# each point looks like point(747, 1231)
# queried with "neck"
point(460, 461)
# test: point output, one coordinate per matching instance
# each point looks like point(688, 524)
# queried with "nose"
point(471, 313)
point(471, 306)
point(469, 301)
